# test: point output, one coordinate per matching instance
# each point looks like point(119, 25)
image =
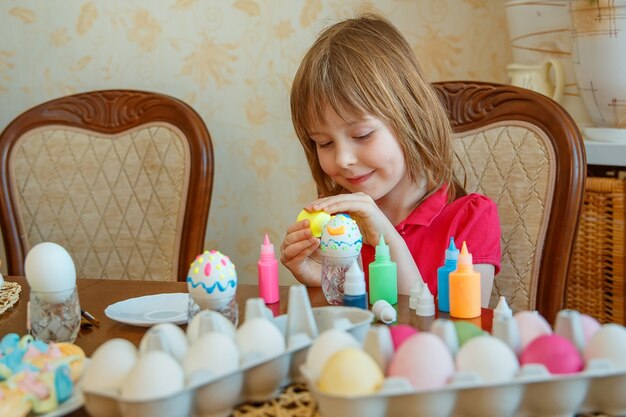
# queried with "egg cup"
point(55, 316)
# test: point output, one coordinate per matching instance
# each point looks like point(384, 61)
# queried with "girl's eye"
point(364, 136)
point(324, 145)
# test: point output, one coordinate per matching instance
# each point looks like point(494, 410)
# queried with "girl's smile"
point(360, 179)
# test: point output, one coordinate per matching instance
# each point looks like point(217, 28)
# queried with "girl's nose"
point(345, 156)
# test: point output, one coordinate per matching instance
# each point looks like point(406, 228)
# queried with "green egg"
point(466, 330)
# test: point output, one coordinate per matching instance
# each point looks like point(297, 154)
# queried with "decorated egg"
point(212, 280)
point(351, 371)
point(555, 352)
point(400, 333)
point(466, 330)
point(424, 360)
point(531, 325)
point(49, 269)
point(341, 237)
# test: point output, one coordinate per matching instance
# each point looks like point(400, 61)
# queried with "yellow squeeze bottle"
point(464, 288)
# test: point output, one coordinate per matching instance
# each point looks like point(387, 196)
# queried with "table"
point(96, 294)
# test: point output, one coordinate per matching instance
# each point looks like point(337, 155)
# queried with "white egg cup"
point(54, 316)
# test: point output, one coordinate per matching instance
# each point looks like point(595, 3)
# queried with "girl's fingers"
point(298, 251)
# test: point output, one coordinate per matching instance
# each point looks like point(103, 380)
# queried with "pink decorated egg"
point(212, 280)
point(400, 333)
point(555, 352)
point(424, 360)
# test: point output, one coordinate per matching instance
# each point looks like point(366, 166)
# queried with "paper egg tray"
point(258, 379)
point(532, 393)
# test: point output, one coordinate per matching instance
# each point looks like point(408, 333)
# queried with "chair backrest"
point(526, 153)
point(122, 179)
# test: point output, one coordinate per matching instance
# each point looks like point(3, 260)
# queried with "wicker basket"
point(596, 282)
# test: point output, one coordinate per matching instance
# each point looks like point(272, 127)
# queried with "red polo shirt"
point(427, 230)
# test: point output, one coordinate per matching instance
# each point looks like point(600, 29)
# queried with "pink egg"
point(590, 326)
point(400, 333)
point(555, 352)
point(531, 325)
point(424, 360)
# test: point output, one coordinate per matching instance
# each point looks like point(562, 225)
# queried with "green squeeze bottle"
point(383, 275)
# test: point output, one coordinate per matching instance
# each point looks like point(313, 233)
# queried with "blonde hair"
point(365, 66)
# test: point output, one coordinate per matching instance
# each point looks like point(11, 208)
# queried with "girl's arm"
point(408, 272)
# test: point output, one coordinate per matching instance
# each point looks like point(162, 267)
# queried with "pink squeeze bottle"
point(268, 273)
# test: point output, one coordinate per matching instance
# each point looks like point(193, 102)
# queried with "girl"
point(378, 143)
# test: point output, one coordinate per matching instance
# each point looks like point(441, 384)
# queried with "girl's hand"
point(362, 208)
point(298, 253)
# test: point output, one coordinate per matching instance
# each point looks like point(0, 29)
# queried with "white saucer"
point(151, 309)
point(605, 134)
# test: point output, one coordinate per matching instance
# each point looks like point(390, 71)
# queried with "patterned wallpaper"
point(233, 61)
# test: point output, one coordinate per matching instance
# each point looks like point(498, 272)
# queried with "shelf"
point(605, 153)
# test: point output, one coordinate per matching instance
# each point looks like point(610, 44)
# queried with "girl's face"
point(361, 154)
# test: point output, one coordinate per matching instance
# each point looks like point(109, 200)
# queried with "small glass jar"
point(54, 316)
point(230, 310)
point(333, 277)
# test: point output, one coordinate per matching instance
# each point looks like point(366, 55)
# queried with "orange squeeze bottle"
point(465, 288)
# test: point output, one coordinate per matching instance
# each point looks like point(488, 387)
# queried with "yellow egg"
point(351, 371)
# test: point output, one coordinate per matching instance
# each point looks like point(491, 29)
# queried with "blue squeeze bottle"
point(354, 294)
point(443, 277)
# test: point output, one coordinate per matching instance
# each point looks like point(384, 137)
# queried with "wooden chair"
point(122, 179)
point(526, 153)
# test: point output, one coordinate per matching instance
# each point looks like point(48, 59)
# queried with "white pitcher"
point(537, 78)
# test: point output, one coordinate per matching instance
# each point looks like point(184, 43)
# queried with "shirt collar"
point(424, 213)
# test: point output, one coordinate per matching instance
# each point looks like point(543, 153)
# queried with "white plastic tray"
point(532, 393)
point(257, 379)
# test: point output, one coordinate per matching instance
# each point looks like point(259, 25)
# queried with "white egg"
point(608, 343)
point(213, 352)
point(327, 344)
point(110, 364)
point(488, 357)
point(259, 338)
point(49, 268)
point(212, 280)
point(155, 375)
point(166, 337)
point(209, 321)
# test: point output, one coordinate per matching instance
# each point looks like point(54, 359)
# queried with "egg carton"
point(258, 378)
point(534, 392)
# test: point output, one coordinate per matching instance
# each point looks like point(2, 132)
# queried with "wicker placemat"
point(9, 294)
point(294, 401)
